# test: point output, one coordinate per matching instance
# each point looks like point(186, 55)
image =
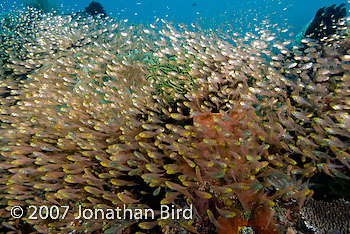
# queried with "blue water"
point(242, 14)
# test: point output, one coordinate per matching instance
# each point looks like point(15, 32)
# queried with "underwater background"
point(294, 14)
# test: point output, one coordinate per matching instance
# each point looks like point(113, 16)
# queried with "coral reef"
point(324, 23)
point(327, 217)
point(112, 114)
point(42, 5)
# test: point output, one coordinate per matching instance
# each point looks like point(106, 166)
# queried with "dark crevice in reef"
point(329, 188)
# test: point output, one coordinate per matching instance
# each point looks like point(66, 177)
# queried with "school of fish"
point(102, 113)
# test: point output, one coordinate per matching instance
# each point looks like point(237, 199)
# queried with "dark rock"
point(95, 8)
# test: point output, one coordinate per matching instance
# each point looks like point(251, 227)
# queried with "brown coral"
point(327, 217)
point(261, 222)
